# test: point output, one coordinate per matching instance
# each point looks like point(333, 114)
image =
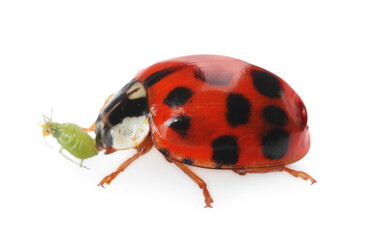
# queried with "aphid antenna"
point(44, 138)
point(44, 135)
point(48, 119)
point(45, 120)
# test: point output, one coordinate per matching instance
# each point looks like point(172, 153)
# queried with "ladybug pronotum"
point(207, 111)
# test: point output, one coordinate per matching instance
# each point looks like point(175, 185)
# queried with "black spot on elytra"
point(214, 75)
point(178, 96)
point(159, 75)
point(238, 109)
point(225, 150)
point(275, 115)
point(165, 152)
point(181, 124)
point(275, 144)
point(266, 83)
point(188, 161)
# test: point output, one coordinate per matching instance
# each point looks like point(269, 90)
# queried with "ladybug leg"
point(92, 127)
point(105, 103)
point(109, 150)
point(300, 174)
point(143, 148)
point(198, 180)
point(244, 171)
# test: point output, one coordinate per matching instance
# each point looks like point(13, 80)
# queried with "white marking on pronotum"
point(136, 91)
point(130, 132)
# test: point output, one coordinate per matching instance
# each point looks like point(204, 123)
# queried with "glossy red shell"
point(211, 80)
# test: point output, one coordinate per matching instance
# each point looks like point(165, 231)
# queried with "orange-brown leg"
point(92, 127)
point(300, 174)
point(198, 180)
point(244, 171)
point(143, 148)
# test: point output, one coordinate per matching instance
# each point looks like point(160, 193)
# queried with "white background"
point(70, 55)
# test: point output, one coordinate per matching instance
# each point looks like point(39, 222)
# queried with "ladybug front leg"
point(198, 180)
point(92, 127)
point(143, 148)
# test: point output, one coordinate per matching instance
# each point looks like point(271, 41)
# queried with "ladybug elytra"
point(207, 111)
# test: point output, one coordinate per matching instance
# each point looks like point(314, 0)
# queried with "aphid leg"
point(143, 148)
point(92, 127)
point(198, 180)
point(300, 174)
point(79, 164)
point(44, 138)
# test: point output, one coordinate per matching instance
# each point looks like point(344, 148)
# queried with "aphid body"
point(71, 138)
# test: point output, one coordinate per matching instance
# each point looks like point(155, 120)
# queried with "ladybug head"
point(123, 123)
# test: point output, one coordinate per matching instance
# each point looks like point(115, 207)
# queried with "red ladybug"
point(207, 111)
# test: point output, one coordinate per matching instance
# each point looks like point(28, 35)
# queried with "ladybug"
point(207, 111)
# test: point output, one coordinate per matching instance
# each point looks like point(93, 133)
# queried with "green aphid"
point(71, 138)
